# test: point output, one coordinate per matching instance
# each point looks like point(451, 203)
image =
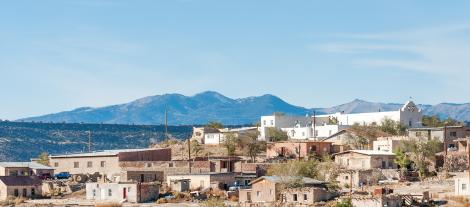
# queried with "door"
point(124, 193)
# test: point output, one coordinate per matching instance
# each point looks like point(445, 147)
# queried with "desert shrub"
point(213, 202)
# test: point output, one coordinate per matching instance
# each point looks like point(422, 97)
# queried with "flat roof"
point(278, 179)
point(368, 152)
point(103, 153)
point(32, 165)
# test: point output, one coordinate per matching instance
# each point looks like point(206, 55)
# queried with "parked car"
point(45, 176)
point(63, 175)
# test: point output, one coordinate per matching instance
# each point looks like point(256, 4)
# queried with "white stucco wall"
point(461, 186)
point(311, 132)
point(213, 138)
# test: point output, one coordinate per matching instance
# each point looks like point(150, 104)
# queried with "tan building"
point(449, 133)
point(24, 169)
point(20, 186)
point(297, 149)
point(306, 196)
point(267, 190)
point(388, 144)
point(205, 180)
point(106, 162)
point(365, 159)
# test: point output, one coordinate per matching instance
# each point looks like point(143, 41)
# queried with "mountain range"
point(212, 106)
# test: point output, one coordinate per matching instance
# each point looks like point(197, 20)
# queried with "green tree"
point(254, 147)
point(392, 127)
point(345, 203)
point(422, 152)
point(44, 159)
point(276, 135)
point(215, 124)
point(435, 121)
point(230, 143)
point(402, 159)
point(195, 147)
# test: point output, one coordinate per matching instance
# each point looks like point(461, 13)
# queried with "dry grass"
point(13, 201)
point(459, 199)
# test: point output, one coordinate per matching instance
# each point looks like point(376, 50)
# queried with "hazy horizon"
point(61, 55)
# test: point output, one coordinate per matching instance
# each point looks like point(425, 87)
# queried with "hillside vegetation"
point(20, 141)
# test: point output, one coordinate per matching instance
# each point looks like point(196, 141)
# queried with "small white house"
point(117, 192)
point(461, 186)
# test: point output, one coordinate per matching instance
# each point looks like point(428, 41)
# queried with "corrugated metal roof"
point(32, 165)
point(101, 153)
point(20, 180)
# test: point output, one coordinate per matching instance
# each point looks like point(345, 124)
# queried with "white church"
point(321, 126)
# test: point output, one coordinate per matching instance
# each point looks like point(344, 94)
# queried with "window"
point(390, 164)
point(16, 193)
point(94, 192)
point(303, 134)
point(33, 191)
point(149, 164)
point(464, 186)
point(316, 133)
point(272, 122)
point(25, 192)
point(294, 198)
point(103, 163)
point(264, 122)
point(453, 134)
point(248, 196)
point(258, 193)
point(89, 164)
point(305, 197)
point(384, 164)
point(56, 164)
point(170, 164)
point(409, 123)
point(110, 192)
point(418, 134)
point(76, 165)
point(346, 177)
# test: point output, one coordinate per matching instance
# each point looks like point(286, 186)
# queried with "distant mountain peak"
point(213, 106)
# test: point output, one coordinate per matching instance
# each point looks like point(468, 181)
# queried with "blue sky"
point(60, 55)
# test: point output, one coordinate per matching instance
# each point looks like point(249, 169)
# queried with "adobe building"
point(106, 162)
point(365, 159)
point(444, 134)
point(20, 186)
point(297, 149)
point(268, 190)
point(204, 180)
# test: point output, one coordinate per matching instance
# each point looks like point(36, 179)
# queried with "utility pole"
point(166, 124)
point(89, 141)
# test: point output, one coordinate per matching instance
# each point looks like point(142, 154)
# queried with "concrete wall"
point(116, 192)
